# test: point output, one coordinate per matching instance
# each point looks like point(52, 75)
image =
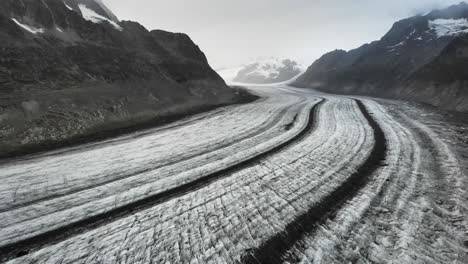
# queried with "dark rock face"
point(70, 68)
point(421, 58)
point(268, 71)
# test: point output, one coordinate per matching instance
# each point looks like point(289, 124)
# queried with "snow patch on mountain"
point(108, 12)
point(449, 27)
point(28, 28)
point(396, 45)
point(411, 34)
point(269, 68)
point(94, 17)
point(67, 6)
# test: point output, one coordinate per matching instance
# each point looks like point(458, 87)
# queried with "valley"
point(119, 143)
point(294, 177)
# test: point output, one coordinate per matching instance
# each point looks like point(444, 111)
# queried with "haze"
point(236, 32)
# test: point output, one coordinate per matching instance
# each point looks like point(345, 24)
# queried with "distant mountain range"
point(263, 71)
point(70, 68)
point(422, 58)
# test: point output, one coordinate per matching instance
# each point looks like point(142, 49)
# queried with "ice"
point(411, 34)
point(449, 27)
point(94, 17)
point(268, 67)
point(265, 67)
point(389, 220)
point(396, 217)
point(396, 45)
point(67, 6)
point(157, 148)
point(28, 28)
point(222, 220)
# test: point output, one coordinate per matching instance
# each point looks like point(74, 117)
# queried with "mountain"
point(70, 68)
point(271, 70)
point(422, 58)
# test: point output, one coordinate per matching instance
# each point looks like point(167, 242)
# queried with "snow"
point(94, 17)
point(449, 27)
point(265, 67)
point(276, 85)
point(268, 68)
point(411, 34)
point(28, 28)
point(109, 13)
point(396, 45)
point(388, 221)
point(67, 6)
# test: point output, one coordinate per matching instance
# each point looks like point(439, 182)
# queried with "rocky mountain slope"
point(70, 68)
point(265, 71)
point(422, 58)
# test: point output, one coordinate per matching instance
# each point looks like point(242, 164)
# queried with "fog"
point(238, 31)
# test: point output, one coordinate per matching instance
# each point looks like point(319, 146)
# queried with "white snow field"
point(295, 177)
point(94, 17)
point(30, 29)
point(449, 27)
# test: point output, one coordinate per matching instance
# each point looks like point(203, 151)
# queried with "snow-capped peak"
point(449, 27)
point(94, 17)
point(265, 70)
point(270, 67)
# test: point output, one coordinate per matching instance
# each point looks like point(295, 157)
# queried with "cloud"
point(234, 32)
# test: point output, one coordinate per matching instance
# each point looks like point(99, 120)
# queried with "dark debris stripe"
point(275, 248)
point(270, 123)
point(51, 237)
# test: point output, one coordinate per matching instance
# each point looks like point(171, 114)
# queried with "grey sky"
point(238, 31)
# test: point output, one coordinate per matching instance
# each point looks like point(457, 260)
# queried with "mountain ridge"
point(263, 71)
point(68, 68)
point(414, 60)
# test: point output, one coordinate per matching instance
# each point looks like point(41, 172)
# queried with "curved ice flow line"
point(8, 249)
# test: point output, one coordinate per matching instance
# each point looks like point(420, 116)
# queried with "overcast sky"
point(233, 32)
